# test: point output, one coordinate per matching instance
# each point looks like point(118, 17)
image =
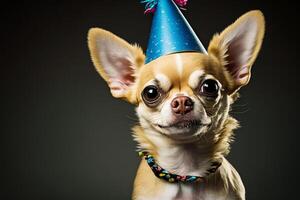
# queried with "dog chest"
point(180, 192)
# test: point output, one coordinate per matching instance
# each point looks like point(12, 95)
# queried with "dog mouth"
point(185, 124)
point(185, 130)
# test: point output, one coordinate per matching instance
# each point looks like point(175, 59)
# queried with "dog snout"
point(182, 105)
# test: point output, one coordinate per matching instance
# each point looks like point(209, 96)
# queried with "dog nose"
point(182, 105)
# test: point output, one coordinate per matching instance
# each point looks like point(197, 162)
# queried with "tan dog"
point(183, 102)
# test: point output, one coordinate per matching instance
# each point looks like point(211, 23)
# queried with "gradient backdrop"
point(64, 137)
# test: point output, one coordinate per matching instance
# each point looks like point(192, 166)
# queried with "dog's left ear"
point(237, 47)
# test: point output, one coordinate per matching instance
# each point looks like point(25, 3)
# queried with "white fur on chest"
point(180, 192)
point(175, 192)
point(186, 192)
point(183, 160)
point(180, 159)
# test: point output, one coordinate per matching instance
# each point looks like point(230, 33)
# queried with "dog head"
point(186, 94)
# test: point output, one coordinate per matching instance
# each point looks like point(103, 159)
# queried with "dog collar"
point(161, 173)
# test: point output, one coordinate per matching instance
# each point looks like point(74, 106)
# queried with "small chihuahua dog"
point(183, 101)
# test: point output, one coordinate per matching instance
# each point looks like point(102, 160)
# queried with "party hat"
point(170, 31)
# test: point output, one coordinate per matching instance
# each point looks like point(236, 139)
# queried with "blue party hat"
point(170, 32)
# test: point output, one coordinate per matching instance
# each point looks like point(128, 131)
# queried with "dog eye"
point(209, 88)
point(151, 95)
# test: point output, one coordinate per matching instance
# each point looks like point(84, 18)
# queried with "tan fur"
point(139, 56)
point(217, 49)
point(194, 154)
point(215, 146)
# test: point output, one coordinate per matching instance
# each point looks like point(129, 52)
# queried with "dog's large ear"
point(237, 47)
point(116, 61)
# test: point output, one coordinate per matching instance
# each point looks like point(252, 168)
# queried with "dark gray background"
point(64, 137)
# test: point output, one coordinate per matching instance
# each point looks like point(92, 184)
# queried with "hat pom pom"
point(181, 3)
point(150, 6)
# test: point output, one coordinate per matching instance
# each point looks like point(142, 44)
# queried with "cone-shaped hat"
point(170, 31)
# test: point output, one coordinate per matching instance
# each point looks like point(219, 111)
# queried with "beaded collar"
point(161, 173)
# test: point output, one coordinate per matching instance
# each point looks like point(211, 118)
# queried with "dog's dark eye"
point(151, 95)
point(209, 88)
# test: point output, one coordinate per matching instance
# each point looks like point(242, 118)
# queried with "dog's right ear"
point(116, 61)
